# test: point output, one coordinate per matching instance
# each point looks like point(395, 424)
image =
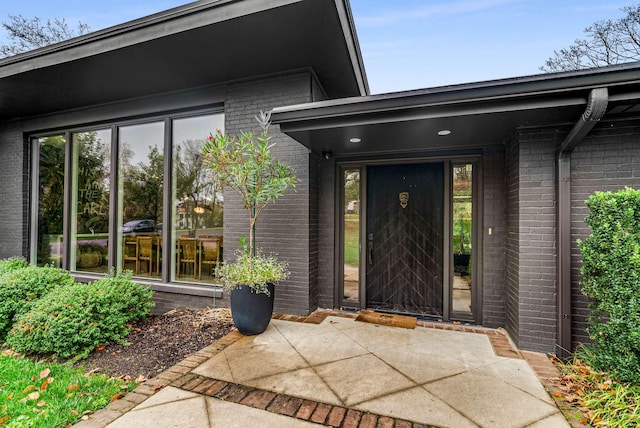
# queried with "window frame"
point(113, 125)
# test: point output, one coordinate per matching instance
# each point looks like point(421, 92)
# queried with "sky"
point(405, 44)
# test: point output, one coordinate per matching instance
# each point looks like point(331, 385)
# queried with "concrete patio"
point(342, 372)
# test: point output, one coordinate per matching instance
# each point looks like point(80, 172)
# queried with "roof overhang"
point(477, 114)
point(203, 43)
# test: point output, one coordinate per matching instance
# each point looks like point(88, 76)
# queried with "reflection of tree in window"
point(198, 199)
point(143, 187)
point(51, 201)
point(93, 183)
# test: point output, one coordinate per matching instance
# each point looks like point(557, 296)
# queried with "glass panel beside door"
point(351, 232)
point(462, 224)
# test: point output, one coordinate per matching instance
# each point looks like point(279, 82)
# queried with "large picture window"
point(49, 245)
point(120, 191)
point(140, 186)
point(91, 180)
point(197, 203)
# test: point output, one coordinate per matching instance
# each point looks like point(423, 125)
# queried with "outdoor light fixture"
point(444, 132)
point(354, 140)
point(327, 154)
point(198, 210)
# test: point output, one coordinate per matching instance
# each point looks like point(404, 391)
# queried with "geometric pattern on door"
point(404, 269)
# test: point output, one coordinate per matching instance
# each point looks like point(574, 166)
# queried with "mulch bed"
point(160, 342)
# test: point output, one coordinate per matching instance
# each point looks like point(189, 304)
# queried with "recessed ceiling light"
point(354, 140)
point(444, 132)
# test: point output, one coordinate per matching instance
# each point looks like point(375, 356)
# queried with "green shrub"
point(12, 263)
point(611, 280)
point(74, 320)
point(21, 288)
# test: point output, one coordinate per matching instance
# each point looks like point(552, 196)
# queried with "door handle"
point(370, 252)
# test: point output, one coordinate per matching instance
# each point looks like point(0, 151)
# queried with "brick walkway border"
point(180, 376)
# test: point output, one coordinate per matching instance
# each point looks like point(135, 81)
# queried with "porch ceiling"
point(477, 114)
point(202, 43)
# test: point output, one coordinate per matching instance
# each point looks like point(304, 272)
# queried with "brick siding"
point(14, 169)
point(512, 254)
point(493, 266)
point(284, 228)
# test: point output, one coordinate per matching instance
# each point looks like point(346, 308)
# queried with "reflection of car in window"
point(138, 226)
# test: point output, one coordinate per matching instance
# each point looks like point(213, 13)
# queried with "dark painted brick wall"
point(512, 252)
point(284, 228)
point(537, 238)
point(13, 176)
point(326, 240)
point(494, 271)
point(168, 301)
point(607, 160)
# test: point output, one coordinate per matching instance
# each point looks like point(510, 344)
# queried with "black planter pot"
point(461, 263)
point(251, 311)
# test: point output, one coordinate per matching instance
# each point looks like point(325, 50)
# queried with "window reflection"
point(462, 234)
point(50, 200)
point(197, 202)
point(90, 206)
point(351, 266)
point(140, 188)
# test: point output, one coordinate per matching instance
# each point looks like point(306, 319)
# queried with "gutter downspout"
point(596, 108)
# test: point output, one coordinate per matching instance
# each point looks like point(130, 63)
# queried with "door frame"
point(476, 256)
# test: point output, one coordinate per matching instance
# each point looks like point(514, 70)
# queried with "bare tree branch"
point(606, 42)
point(28, 34)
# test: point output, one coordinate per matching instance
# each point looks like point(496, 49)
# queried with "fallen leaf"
point(44, 373)
point(100, 348)
point(74, 412)
point(154, 388)
point(10, 396)
point(579, 392)
point(570, 398)
point(557, 394)
point(33, 396)
point(141, 379)
point(41, 403)
point(118, 396)
point(46, 383)
point(73, 387)
point(4, 419)
point(29, 389)
point(124, 386)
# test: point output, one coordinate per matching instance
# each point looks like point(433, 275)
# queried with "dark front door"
point(405, 220)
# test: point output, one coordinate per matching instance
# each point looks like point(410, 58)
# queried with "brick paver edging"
point(180, 376)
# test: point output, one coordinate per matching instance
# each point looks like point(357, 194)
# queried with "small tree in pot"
point(245, 164)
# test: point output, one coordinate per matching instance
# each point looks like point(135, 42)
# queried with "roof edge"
point(343, 7)
point(163, 17)
point(533, 85)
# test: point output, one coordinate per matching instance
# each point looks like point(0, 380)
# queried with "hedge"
point(611, 279)
point(21, 288)
point(72, 321)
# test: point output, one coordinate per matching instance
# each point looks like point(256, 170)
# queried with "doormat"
point(387, 319)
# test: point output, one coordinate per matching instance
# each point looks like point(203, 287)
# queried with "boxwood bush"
point(611, 279)
point(74, 320)
point(21, 288)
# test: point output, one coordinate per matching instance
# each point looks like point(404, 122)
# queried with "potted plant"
point(245, 164)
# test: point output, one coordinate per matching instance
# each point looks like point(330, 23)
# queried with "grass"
point(36, 394)
point(351, 241)
point(603, 401)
